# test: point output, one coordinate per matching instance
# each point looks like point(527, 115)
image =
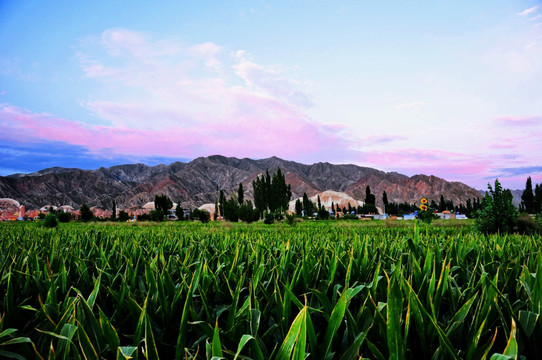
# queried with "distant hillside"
point(199, 181)
point(516, 200)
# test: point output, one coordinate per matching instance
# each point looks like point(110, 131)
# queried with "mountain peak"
point(200, 180)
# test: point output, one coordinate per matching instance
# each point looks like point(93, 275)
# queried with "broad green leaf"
point(333, 325)
point(217, 346)
point(126, 352)
point(527, 321)
point(393, 324)
point(296, 337)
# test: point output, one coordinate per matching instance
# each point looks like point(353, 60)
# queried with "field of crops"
point(327, 290)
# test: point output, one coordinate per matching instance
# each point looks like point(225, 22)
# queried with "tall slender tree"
point(298, 208)
point(307, 205)
point(528, 198)
point(271, 193)
point(221, 202)
point(319, 203)
point(114, 213)
point(385, 201)
point(369, 198)
point(162, 203)
point(442, 204)
point(240, 194)
point(538, 198)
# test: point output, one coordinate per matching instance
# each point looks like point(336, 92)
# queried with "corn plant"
point(326, 290)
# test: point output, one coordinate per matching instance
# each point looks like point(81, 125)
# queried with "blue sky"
point(452, 89)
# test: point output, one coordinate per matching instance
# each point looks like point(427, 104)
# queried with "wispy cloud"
point(169, 98)
point(382, 139)
point(528, 11)
point(525, 121)
point(525, 170)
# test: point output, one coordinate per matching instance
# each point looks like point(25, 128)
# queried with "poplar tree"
point(114, 214)
point(298, 208)
point(538, 198)
point(221, 202)
point(385, 201)
point(240, 194)
point(527, 198)
point(271, 193)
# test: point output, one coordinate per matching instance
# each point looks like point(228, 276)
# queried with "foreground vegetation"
point(329, 290)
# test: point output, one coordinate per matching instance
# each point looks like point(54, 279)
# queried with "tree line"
point(271, 199)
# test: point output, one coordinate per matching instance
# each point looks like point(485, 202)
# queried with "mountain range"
point(199, 181)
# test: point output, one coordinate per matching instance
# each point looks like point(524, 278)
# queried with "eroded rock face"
point(401, 188)
point(199, 182)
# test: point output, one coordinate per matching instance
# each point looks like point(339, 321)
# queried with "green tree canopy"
point(298, 207)
point(528, 203)
point(162, 203)
point(497, 213)
point(370, 199)
point(85, 213)
point(271, 193)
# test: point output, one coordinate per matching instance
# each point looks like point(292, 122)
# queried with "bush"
point(527, 225)
point(498, 214)
point(202, 215)
point(143, 217)
point(155, 215)
point(123, 216)
point(269, 218)
point(64, 217)
point(50, 221)
point(86, 213)
point(323, 214)
point(427, 216)
point(247, 213)
point(290, 219)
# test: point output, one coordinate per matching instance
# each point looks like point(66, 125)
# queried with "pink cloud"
point(163, 97)
point(528, 11)
point(244, 136)
point(525, 121)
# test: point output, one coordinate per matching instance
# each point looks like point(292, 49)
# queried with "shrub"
point(269, 218)
point(50, 221)
point(143, 217)
point(64, 217)
point(427, 216)
point(201, 215)
point(123, 216)
point(323, 214)
point(527, 225)
point(86, 213)
point(290, 219)
point(155, 215)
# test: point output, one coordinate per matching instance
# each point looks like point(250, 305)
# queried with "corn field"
point(329, 290)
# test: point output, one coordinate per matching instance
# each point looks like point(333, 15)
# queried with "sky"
point(447, 88)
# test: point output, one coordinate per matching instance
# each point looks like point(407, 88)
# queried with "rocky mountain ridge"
point(199, 181)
